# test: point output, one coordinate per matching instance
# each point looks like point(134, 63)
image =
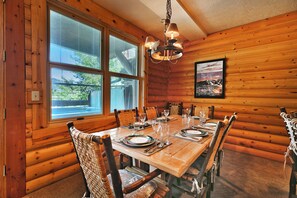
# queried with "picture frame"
point(209, 79)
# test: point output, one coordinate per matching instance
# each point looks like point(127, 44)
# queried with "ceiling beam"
point(195, 19)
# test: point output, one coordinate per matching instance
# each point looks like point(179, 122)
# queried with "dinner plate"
point(194, 133)
point(197, 118)
point(210, 124)
point(138, 140)
point(162, 119)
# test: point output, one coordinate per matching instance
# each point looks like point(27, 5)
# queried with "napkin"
point(195, 139)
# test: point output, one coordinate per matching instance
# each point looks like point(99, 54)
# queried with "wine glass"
point(166, 114)
point(142, 118)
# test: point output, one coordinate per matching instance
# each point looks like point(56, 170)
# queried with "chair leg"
point(122, 163)
point(209, 184)
point(169, 183)
point(219, 163)
point(292, 190)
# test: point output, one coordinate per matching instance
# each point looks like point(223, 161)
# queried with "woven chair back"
point(126, 117)
point(174, 108)
point(209, 111)
point(151, 112)
point(92, 163)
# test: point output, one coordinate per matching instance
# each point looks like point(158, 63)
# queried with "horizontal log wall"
point(261, 76)
point(49, 152)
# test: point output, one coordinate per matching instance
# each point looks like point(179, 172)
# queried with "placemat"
point(149, 150)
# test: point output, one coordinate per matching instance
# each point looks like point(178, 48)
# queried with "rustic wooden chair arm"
point(137, 184)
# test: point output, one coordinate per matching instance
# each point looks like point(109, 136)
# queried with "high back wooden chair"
point(290, 120)
point(125, 117)
point(220, 153)
point(195, 111)
point(98, 184)
point(200, 173)
point(151, 112)
point(174, 108)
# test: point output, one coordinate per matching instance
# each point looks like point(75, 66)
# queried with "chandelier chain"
point(169, 10)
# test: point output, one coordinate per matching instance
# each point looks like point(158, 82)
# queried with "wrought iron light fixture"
point(171, 50)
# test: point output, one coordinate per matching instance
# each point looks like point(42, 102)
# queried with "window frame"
point(106, 32)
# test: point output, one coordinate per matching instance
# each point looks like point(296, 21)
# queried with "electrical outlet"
point(35, 96)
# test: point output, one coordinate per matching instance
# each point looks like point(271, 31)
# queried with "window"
point(123, 59)
point(75, 61)
point(76, 70)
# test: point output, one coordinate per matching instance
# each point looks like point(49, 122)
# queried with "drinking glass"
point(156, 127)
point(165, 133)
point(202, 118)
point(166, 114)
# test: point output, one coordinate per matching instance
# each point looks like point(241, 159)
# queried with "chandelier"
point(171, 50)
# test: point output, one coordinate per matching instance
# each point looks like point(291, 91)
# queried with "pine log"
point(44, 154)
point(50, 166)
point(264, 137)
point(264, 146)
point(255, 152)
point(51, 178)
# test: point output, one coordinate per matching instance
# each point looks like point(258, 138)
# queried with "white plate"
point(194, 132)
point(210, 124)
point(139, 140)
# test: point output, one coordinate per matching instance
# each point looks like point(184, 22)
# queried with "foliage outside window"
point(123, 59)
point(74, 92)
point(76, 72)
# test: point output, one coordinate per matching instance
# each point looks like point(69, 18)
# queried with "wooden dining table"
point(175, 159)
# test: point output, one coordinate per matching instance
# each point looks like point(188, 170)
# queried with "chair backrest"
point(125, 117)
point(91, 161)
point(212, 150)
point(151, 112)
point(174, 108)
point(209, 111)
point(227, 129)
point(291, 127)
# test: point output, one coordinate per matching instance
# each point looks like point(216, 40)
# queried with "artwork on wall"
point(210, 79)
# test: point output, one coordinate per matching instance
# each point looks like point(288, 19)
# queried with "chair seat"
point(128, 177)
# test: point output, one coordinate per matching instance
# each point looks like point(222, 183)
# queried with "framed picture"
point(210, 79)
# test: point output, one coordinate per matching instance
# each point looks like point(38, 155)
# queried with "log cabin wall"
point(49, 151)
point(157, 84)
point(261, 76)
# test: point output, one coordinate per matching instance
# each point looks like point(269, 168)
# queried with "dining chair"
point(98, 183)
point(151, 112)
point(195, 111)
point(290, 120)
point(174, 108)
point(220, 153)
point(197, 181)
point(125, 117)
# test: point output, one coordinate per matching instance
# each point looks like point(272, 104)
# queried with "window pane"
point(72, 42)
point(124, 93)
point(123, 56)
point(75, 93)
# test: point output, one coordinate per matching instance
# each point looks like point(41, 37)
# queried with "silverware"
point(151, 147)
point(159, 146)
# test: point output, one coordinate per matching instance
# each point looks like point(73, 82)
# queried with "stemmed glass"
point(142, 118)
point(166, 114)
